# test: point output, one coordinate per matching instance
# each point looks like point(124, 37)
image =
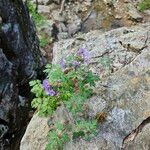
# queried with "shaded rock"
point(74, 26)
point(57, 16)
point(20, 61)
point(141, 141)
point(43, 2)
point(43, 9)
point(109, 2)
point(33, 131)
point(133, 13)
point(46, 28)
point(39, 138)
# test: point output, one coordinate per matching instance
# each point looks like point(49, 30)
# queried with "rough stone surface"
point(20, 61)
point(133, 13)
point(43, 2)
point(43, 9)
point(37, 137)
point(111, 45)
point(141, 141)
point(124, 90)
point(86, 15)
point(109, 2)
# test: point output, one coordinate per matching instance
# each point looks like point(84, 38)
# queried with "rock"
point(62, 115)
point(44, 2)
point(46, 28)
point(39, 137)
point(118, 17)
point(109, 2)
point(122, 95)
point(63, 35)
point(141, 141)
point(147, 12)
point(133, 13)
point(107, 45)
point(57, 16)
point(20, 61)
point(43, 9)
point(41, 2)
point(8, 90)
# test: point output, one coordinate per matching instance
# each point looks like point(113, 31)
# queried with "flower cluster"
point(63, 63)
point(82, 53)
point(70, 84)
point(48, 88)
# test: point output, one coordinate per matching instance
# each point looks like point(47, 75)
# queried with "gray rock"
point(43, 2)
point(63, 35)
point(109, 2)
point(43, 9)
point(57, 16)
point(133, 13)
point(110, 47)
point(40, 137)
point(46, 28)
point(124, 94)
point(141, 141)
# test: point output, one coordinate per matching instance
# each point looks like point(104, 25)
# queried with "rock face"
point(34, 130)
point(20, 60)
point(123, 93)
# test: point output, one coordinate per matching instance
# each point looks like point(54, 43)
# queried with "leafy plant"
point(70, 83)
point(145, 4)
point(106, 62)
point(43, 42)
point(85, 129)
point(57, 137)
point(37, 18)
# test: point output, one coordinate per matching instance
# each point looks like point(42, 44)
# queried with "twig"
point(62, 6)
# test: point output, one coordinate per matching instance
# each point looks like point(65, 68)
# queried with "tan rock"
point(36, 132)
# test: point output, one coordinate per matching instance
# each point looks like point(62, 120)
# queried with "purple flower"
point(51, 92)
point(48, 88)
point(63, 63)
point(46, 83)
point(84, 53)
point(75, 64)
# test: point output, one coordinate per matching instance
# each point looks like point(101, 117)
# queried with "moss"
point(145, 4)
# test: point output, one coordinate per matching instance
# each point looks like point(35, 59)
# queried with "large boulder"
point(123, 94)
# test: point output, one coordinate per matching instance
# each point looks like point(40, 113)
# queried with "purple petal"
point(48, 88)
point(84, 53)
point(46, 83)
point(75, 64)
point(80, 51)
point(52, 93)
point(63, 63)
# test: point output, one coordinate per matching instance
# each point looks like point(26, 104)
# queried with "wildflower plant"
point(70, 82)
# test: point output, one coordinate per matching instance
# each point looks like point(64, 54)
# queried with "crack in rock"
point(131, 136)
point(131, 48)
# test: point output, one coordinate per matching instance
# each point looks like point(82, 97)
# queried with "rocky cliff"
point(20, 60)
